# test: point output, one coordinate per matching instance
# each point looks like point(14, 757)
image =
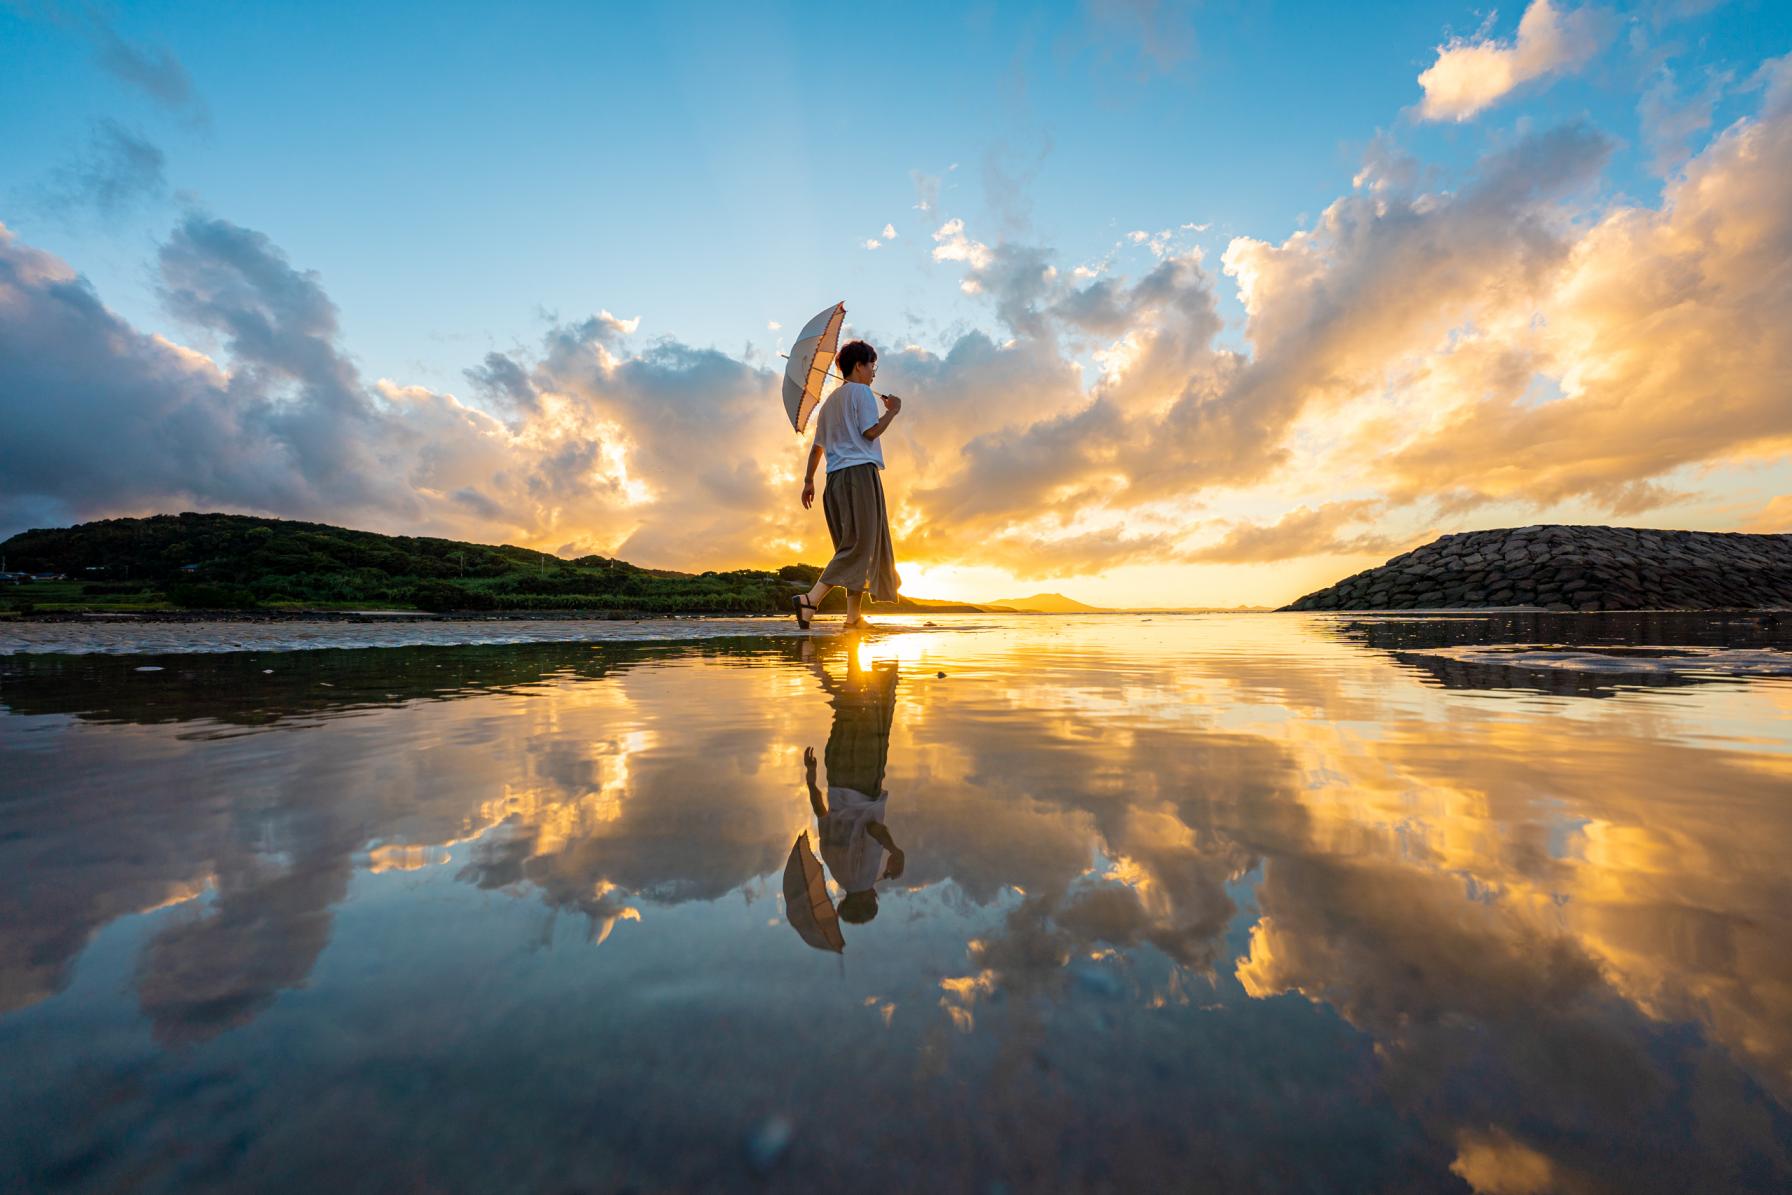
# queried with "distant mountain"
point(1047, 603)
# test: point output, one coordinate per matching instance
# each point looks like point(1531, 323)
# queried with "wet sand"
point(119, 636)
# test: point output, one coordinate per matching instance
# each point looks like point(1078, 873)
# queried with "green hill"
point(225, 561)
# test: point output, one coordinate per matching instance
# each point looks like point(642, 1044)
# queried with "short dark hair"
point(850, 357)
point(856, 908)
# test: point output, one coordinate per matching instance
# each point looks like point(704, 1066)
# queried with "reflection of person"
point(856, 846)
point(846, 430)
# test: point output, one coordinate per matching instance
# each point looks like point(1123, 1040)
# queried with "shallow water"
point(1201, 902)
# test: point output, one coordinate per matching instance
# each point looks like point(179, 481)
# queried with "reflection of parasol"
point(810, 359)
point(806, 903)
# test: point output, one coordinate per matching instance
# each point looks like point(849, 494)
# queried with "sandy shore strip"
point(128, 637)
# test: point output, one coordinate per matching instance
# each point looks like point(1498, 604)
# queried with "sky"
point(1189, 305)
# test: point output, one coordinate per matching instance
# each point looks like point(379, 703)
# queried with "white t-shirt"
point(854, 857)
point(840, 427)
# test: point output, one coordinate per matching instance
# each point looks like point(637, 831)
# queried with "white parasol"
point(811, 357)
point(807, 906)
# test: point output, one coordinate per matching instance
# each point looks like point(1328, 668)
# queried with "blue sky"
point(460, 178)
point(452, 171)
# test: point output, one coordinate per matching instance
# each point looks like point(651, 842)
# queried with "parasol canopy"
point(806, 903)
point(810, 359)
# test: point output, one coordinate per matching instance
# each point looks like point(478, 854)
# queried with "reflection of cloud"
point(1469, 917)
point(405, 857)
point(1476, 1011)
point(261, 933)
point(1543, 933)
point(1494, 1164)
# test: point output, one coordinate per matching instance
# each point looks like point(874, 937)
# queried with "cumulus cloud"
point(1335, 315)
point(1663, 328)
point(951, 244)
point(1409, 330)
point(1301, 532)
point(1471, 74)
point(1428, 350)
point(657, 451)
point(504, 382)
point(107, 419)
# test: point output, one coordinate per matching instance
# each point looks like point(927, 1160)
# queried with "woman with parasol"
point(847, 428)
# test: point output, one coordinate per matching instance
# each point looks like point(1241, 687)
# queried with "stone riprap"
point(1559, 567)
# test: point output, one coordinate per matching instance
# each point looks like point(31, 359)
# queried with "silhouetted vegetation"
point(238, 562)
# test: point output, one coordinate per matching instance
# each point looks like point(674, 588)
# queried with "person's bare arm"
point(892, 407)
point(880, 834)
point(815, 801)
point(815, 454)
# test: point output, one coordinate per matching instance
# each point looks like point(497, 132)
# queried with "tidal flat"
point(1488, 902)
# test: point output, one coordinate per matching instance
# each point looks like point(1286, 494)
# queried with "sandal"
point(800, 602)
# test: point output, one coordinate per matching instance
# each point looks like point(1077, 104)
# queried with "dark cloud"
point(120, 170)
point(478, 503)
point(103, 418)
point(154, 71)
point(503, 380)
point(655, 448)
point(280, 329)
point(235, 282)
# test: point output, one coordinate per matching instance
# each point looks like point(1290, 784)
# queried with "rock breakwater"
point(1564, 567)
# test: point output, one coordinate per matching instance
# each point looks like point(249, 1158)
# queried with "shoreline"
point(205, 636)
point(189, 633)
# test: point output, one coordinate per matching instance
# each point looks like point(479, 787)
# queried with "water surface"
point(1213, 902)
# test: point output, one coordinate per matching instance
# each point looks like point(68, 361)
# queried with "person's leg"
point(853, 598)
point(808, 603)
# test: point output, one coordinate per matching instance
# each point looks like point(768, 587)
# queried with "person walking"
point(847, 432)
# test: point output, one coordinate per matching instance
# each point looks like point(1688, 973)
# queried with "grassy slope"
point(248, 562)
